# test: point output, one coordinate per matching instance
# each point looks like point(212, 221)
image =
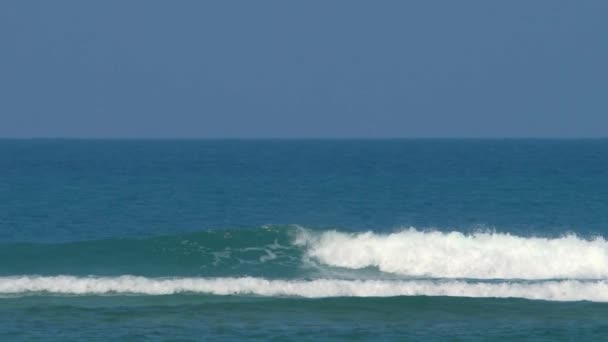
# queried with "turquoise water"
point(303, 240)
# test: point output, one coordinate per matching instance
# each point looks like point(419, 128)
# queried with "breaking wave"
point(562, 290)
point(457, 255)
point(294, 261)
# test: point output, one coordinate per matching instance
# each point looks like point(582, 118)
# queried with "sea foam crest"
point(457, 255)
point(562, 290)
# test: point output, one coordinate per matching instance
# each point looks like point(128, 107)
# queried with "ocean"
point(313, 240)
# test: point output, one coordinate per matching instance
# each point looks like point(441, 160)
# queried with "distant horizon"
point(311, 138)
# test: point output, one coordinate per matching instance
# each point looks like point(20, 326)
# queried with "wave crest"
point(458, 255)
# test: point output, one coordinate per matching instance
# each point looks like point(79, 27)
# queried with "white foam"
point(562, 290)
point(457, 255)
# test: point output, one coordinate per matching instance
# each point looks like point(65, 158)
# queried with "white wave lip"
point(457, 255)
point(563, 290)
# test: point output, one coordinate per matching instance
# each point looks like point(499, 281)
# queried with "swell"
point(562, 290)
point(264, 251)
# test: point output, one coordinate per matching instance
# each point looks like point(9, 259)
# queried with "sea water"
point(425, 239)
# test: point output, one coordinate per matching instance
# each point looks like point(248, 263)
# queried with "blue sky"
point(335, 69)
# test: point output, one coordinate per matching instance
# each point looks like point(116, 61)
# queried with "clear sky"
point(188, 69)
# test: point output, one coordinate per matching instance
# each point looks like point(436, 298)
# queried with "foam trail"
point(457, 255)
point(563, 290)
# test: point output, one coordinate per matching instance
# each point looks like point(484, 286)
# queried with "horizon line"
point(313, 138)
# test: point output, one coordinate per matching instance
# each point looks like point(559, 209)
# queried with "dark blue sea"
point(313, 240)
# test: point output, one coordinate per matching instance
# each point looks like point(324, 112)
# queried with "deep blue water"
point(303, 239)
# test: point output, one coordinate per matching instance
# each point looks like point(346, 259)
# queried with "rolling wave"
point(562, 290)
point(294, 261)
point(457, 255)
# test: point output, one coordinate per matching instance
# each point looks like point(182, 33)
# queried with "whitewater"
point(408, 262)
point(564, 290)
point(481, 255)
